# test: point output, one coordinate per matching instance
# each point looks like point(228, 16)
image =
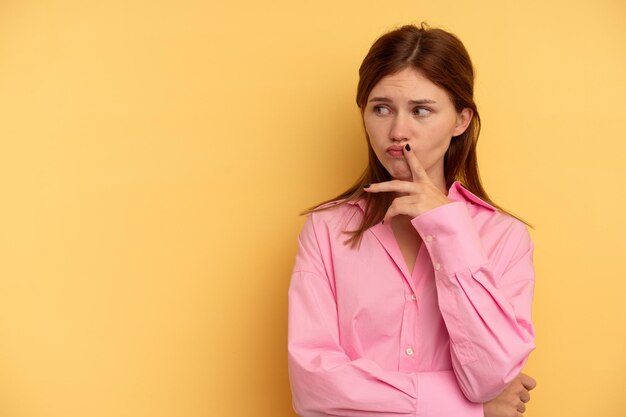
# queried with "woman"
point(411, 292)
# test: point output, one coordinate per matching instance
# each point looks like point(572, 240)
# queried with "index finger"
point(417, 170)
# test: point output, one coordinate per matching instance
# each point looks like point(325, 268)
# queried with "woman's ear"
point(463, 120)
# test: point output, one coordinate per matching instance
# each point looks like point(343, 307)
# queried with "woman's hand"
point(417, 196)
point(512, 401)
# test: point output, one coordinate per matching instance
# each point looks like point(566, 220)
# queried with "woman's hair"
point(441, 57)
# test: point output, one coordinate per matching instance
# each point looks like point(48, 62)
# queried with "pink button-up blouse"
point(368, 338)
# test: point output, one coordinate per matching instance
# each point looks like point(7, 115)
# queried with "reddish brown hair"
point(442, 58)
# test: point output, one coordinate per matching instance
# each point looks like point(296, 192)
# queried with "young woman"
point(411, 293)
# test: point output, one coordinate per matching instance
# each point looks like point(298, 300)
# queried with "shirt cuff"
point(451, 238)
point(439, 395)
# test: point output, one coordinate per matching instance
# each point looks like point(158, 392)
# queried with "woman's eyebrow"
point(420, 101)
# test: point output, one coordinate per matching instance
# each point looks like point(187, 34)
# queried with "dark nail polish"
point(366, 186)
point(407, 147)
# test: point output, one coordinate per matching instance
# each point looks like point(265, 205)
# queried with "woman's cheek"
point(431, 154)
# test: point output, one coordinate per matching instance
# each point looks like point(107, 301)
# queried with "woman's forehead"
point(408, 84)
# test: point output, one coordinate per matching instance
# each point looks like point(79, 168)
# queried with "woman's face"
point(406, 107)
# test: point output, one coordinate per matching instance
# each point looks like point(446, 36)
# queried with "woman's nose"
point(399, 128)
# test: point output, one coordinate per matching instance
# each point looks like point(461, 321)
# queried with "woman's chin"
point(399, 170)
point(401, 175)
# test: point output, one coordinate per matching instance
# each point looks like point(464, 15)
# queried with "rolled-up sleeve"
point(487, 310)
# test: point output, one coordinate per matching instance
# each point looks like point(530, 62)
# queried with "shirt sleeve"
point(325, 381)
point(485, 303)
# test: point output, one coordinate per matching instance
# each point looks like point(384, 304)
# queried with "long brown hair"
point(442, 58)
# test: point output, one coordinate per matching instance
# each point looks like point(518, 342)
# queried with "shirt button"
point(409, 351)
point(413, 297)
point(437, 266)
point(429, 238)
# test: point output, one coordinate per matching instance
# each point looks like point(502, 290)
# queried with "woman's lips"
point(395, 152)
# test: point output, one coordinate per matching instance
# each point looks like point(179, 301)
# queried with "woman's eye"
point(421, 111)
point(381, 110)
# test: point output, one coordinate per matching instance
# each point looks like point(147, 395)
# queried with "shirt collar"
point(457, 192)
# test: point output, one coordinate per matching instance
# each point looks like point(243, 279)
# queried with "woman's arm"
point(487, 314)
point(326, 382)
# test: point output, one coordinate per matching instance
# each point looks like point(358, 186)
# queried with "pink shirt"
point(367, 338)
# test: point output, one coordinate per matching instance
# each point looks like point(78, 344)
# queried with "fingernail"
point(407, 147)
point(367, 186)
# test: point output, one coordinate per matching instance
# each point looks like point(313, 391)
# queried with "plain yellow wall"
point(155, 155)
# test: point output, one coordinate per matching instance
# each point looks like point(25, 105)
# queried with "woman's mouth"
point(395, 151)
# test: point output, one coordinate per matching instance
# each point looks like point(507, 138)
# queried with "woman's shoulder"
point(333, 216)
point(483, 212)
point(503, 236)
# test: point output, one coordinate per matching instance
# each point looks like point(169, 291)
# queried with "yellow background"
point(155, 155)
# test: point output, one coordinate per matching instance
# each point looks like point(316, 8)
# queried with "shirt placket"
point(408, 358)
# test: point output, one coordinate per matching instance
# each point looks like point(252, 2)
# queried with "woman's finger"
point(417, 170)
point(398, 206)
point(527, 381)
point(391, 212)
point(524, 396)
point(393, 185)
